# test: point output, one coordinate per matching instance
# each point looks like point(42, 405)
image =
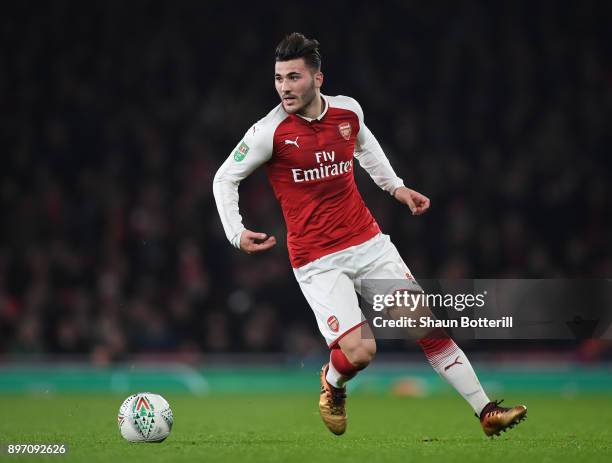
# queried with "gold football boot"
point(495, 419)
point(332, 405)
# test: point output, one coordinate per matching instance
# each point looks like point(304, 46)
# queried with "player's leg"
point(348, 356)
point(442, 352)
point(447, 359)
point(331, 295)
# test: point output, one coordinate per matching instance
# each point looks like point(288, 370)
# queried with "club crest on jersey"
point(241, 152)
point(345, 130)
point(333, 324)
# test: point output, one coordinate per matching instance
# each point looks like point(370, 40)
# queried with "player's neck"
point(314, 109)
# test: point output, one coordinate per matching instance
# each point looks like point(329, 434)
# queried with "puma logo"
point(456, 362)
point(292, 142)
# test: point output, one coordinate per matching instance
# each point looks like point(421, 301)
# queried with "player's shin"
point(452, 364)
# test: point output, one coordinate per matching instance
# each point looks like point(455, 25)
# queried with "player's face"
point(296, 84)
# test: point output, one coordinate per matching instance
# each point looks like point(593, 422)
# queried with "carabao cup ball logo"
point(143, 413)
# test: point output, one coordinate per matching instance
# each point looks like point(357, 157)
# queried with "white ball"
point(145, 417)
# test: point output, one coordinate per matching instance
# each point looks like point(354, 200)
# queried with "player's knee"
point(361, 354)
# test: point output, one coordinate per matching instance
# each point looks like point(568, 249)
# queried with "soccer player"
point(308, 144)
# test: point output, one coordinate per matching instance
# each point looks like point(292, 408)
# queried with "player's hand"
point(417, 202)
point(251, 241)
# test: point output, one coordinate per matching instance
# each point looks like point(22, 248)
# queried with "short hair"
point(295, 46)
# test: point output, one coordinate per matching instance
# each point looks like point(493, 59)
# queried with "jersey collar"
point(325, 107)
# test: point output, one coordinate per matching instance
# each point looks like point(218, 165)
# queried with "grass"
point(265, 428)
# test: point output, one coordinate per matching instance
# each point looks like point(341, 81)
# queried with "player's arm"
point(251, 152)
point(372, 158)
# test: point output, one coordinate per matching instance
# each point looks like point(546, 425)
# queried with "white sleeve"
point(251, 152)
point(372, 157)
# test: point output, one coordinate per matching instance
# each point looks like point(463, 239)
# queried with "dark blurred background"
point(114, 117)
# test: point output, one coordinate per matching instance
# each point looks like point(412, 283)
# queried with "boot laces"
point(338, 397)
point(492, 409)
point(495, 409)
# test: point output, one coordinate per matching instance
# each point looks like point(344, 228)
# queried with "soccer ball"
point(145, 417)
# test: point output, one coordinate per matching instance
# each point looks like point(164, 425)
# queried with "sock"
point(451, 363)
point(340, 369)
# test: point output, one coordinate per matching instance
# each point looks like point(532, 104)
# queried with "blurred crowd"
point(116, 115)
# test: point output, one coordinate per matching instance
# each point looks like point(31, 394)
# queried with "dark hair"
point(295, 46)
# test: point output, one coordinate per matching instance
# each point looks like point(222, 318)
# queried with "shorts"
point(331, 283)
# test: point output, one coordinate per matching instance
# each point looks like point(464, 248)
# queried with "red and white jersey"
point(310, 167)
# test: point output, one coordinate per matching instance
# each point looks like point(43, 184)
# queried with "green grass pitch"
point(268, 428)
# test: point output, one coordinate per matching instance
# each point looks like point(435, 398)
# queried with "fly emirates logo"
point(326, 168)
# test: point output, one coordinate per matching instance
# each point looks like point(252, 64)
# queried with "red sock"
point(342, 364)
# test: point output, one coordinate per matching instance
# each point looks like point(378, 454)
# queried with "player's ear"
point(318, 78)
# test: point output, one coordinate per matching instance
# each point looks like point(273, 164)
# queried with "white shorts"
point(331, 283)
